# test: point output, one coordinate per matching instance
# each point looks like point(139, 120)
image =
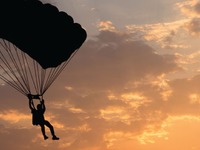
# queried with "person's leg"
point(43, 131)
point(51, 129)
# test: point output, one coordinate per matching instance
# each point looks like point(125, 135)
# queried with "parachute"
point(36, 43)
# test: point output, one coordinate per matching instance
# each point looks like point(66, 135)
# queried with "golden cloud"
point(76, 110)
point(163, 34)
point(14, 116)
point(113, 137)
point(189, 8)
point(151, 135)
point(135, 100)
point(115, 113)
point(106, 25)
point(183, 59)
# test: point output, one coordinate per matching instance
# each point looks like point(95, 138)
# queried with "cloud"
point(113, 59)
point(163, 34)
point(150, 135)
point(173, 33)
point(13, 116)
point(191, 9)
point(188, 7)
point(106, 25)
point(193, 26)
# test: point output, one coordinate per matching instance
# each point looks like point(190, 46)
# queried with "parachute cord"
point(57, 72)
point(53, 75)
point(34, 75)
point(37, 80)
point(17, 67)
point(37, 76)
point(22, 69)
point(14, 83)
point(17, 71)
point(11, 83)
point(40, 77)
point(25, 71)
point(49, 78)
point(10, 68)
point(31, 75)
point(15, 64)
point(43, 74)
point(5, 62)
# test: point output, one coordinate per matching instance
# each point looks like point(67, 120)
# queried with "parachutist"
point(38, 117)
point(50, 46)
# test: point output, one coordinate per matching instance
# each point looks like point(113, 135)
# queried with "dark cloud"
point(115, 60)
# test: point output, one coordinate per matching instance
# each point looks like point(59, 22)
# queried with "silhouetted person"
point(38, 116)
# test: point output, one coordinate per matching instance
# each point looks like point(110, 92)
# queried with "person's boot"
point(55, 138)
point(45, 137)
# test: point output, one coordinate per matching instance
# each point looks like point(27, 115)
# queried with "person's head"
point(39, 107)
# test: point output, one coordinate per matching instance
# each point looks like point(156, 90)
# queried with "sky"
point(134, 83)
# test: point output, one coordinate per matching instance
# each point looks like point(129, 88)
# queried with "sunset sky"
point(133, 85)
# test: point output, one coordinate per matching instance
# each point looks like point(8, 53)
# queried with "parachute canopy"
point(36, 43)
point(46, 34)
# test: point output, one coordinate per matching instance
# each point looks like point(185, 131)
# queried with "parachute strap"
point(35, 96)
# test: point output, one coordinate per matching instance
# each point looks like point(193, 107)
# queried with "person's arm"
point(31, 104)
point(30, 101)
point(43, 105)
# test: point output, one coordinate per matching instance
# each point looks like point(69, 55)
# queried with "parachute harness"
point(24, 73)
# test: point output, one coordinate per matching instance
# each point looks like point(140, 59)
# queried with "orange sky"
point(134, 84)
